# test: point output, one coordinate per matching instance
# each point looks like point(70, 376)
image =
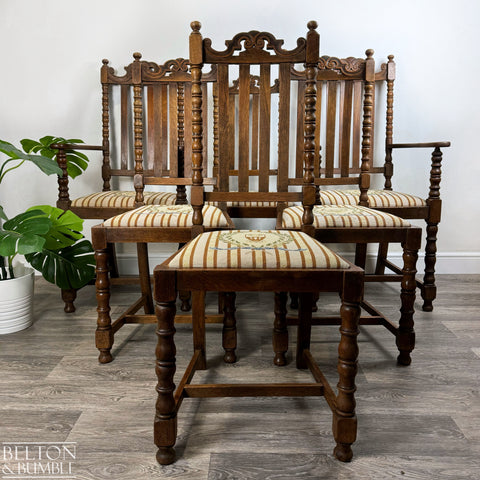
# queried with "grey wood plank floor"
point(416, 422)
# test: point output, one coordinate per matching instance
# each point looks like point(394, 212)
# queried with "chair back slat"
point(125, 126)
point(283, 127)
point(156, 146)
point(225, 128)
point(255, 131)
point(265, 127)
point(331, 119)
point(345, 121)
point(243, 128)
point(357, 122)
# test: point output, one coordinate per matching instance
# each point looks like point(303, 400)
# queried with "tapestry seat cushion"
point(121, 199)
point(167, 216)
point(259, 249)
point(341, 216)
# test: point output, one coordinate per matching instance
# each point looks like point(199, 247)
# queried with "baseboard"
point(447, 263)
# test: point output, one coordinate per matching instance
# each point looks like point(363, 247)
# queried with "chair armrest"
point(64, 202)
point(419, 145)
point(75, 146)
point(435, 169)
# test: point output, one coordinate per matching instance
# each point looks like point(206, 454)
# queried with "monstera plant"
point(48, 237)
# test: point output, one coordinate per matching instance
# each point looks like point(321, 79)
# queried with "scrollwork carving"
point(112, 77)
point(171, 68)
point(255, 44)
point(347, 66)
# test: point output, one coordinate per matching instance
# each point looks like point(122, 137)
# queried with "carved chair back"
point(345, 110)
point(252, 115)
point(144, 124)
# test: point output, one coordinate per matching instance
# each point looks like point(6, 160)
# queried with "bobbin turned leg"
point(229, 334)
point(280, 331)
point(104, 332)
point(344, 418)
point(405, 339)
point(165, 424)
point(429, 290)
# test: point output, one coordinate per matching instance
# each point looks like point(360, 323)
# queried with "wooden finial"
point(137, 56)
point(312, 25)
point(369, 53)
point(390, 58)
point(105, 61)
point(196, 26)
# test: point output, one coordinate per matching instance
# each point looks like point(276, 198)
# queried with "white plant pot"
point(16, 300)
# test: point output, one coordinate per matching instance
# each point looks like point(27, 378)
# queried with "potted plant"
point(48, 237)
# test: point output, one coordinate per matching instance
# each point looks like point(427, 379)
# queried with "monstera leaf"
point(65, 227)
point(77, 162)
point(24, 233)
point(69, 267)
point(46, 164)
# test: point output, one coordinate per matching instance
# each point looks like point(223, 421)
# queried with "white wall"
point(52, 52)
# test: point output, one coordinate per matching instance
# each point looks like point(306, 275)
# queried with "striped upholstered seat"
point(121, 199)
point(167, 216)
point(256, 249)
point(376, 198)
point(341, 216)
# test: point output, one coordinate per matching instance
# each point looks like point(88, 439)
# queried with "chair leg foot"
point(279, 360)
point(105, 356)
point(69, 296)
point(165, 455)
point(427, 307)
point(343, 452)
point(185, 298)
point(230, 357)
point(404, 358)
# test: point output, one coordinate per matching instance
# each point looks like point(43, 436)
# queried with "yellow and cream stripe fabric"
point(342, 216)
point(376, 198)
point(249, 204)
point(120, 199)
point(258, 249)
point(167, 216)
